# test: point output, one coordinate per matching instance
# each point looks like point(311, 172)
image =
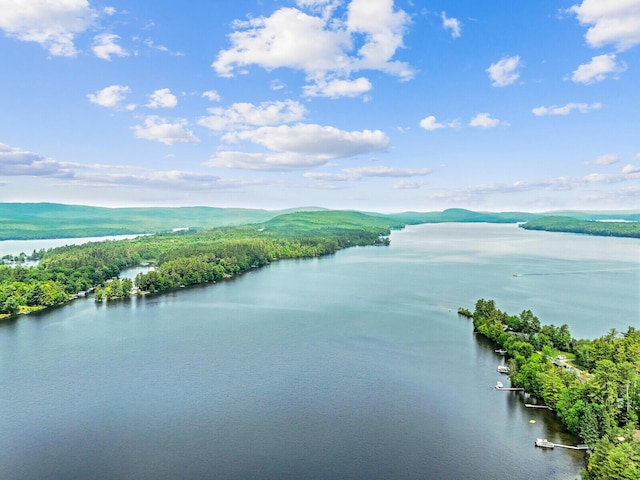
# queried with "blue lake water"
point(350, 366)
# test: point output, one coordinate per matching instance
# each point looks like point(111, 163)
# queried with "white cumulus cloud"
point(324, 141)
point(606, 159)
point(598, 69)
point(211, 95)
point(164, 131)
point(265, 161)
point(452, 24)
point(288, 38)
point(244, 115)
point(505, 71)
point(298, 146)
point(323, 7)
point(105, 46)
point(320, 44)
point(338, 88)
point(430, 124)
point(162, 98)
point(383, 29)
point(612, 22)
point(484, 120)
point(18, 162)
point(112, 96)
point(52, 24)
point(565, 109)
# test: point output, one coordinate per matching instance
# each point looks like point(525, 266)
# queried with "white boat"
point(502, 369)
point(544, 443)
point(499, 385)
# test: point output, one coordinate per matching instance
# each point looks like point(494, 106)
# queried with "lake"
point(350, 366)
point(16, 247)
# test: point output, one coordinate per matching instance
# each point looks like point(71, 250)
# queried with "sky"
point(376, 105)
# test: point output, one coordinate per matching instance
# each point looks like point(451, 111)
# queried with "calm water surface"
point(350, 366)
point(16, 247)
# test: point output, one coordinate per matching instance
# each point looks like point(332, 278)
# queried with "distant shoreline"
point(41, 221)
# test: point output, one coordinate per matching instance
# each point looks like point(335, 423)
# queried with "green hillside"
point(329, 222)
point(21, 221)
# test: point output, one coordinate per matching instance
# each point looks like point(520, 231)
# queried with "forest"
point(181, 258)
point(593, 386)
point(587, 227)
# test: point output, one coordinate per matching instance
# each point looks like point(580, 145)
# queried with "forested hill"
point(23, 221)
point(461, 215)
point(329, 222)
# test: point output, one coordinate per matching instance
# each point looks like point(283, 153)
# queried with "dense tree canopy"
point(589, 227)
point(592, 385)
point(181, 258)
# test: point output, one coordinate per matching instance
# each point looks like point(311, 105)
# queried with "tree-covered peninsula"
point(593, 386)
point(587, 227)
point(182, 258)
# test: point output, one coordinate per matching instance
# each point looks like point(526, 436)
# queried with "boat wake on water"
point(572, 272)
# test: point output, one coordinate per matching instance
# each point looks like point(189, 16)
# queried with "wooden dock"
point(531, 405)
point(544, 443)
point(509, 389)
point(572, 447)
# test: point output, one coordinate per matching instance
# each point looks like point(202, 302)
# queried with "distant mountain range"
point(21, 221)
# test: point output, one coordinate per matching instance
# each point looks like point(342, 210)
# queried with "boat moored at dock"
point(544, 443)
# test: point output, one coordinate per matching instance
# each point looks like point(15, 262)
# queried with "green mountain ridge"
point(23, 221)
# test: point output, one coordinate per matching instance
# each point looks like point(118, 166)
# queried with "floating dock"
point(531, 405)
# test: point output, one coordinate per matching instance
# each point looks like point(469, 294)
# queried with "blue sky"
point(364, 104)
